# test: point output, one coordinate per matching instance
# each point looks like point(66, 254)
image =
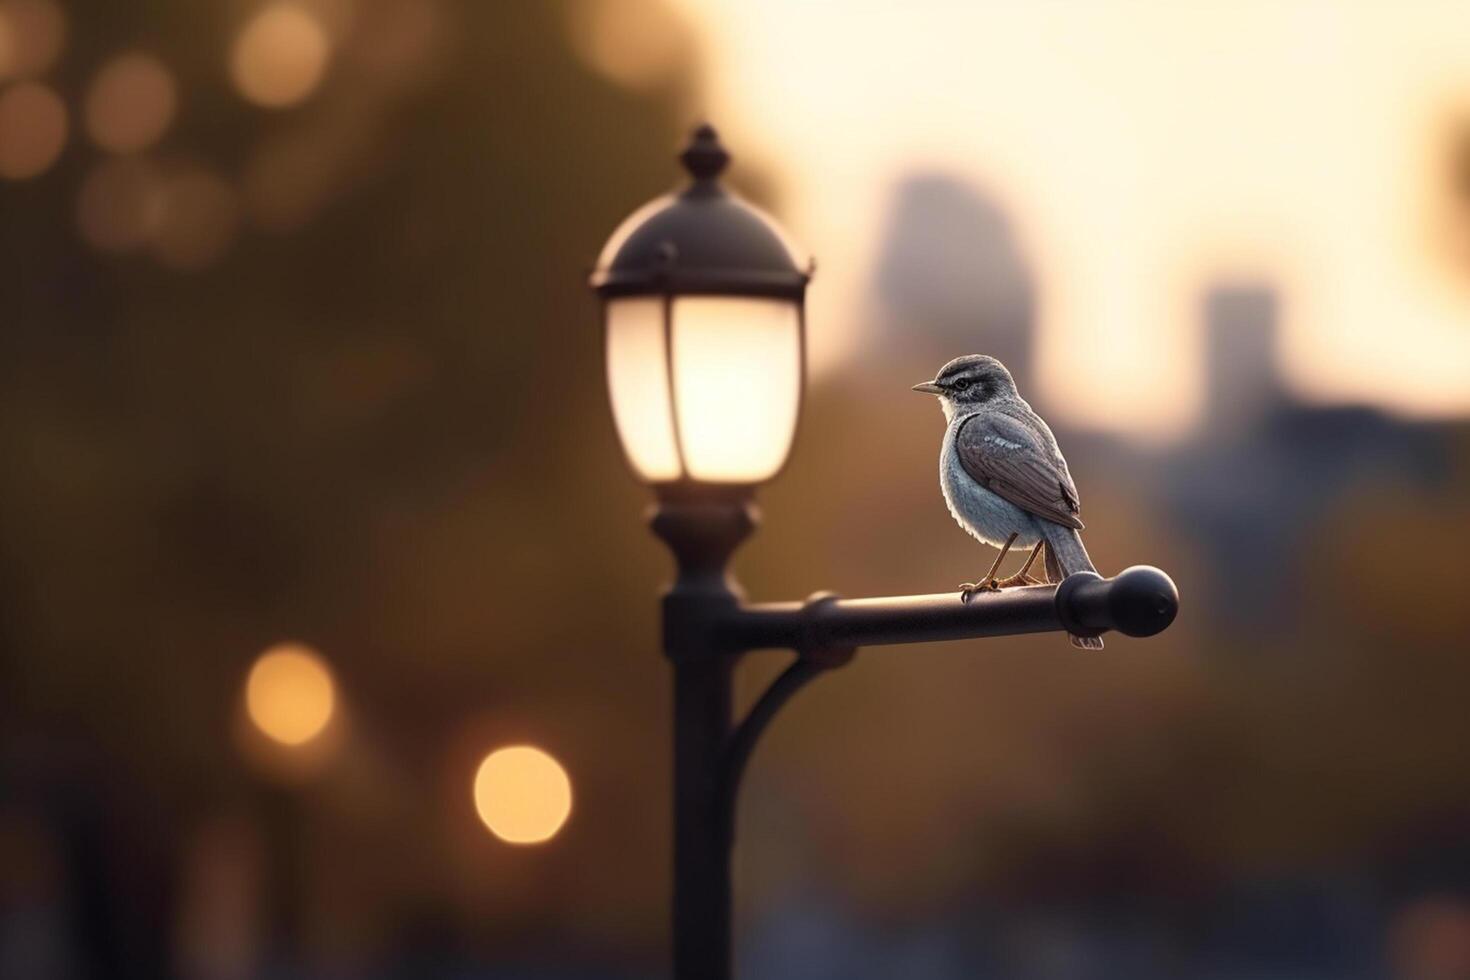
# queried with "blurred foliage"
point(383, 433)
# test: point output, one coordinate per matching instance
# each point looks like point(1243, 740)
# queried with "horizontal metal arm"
point(1140, 601)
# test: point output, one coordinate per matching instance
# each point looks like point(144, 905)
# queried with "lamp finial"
point(704, 157)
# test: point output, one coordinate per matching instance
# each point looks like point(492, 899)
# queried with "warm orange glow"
point(32, 33)
point(737, 382)
point(290, 695)
point(1142, 151)
point(280, 56)
point(120, 204)
point(522, 794)
point(131, 103)
point(638, 378)
point(737, 385)
point(199, 218)
point(639, 45)
point(32, 130)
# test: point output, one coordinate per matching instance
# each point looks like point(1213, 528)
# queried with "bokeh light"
point(280, 55)
point(639, 46)
point(120, 204)
point(33, 127)
point(130, 103)
point(522, 794)
point(32, 33)
point(198, 221)
point(290, 694)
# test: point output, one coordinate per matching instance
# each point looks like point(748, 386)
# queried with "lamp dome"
point(701, 240)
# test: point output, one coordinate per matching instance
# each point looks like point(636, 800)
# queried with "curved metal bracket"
point(743, 740)
point(812, 658)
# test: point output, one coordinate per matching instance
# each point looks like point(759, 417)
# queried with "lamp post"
point(704, 322)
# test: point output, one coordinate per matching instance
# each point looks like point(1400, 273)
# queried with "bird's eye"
point(962, 384)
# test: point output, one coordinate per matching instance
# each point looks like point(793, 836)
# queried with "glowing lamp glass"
point(713, 394)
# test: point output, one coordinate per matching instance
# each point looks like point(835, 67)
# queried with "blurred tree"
point(356, 398)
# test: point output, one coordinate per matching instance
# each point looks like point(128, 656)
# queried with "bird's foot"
point(1017, 580)
point(969, 590)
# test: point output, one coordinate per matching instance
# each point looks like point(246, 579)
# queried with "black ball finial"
point(1143, 600)
point(704, 157)
point(1139, 601)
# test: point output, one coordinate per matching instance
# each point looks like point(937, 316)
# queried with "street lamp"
point(704, 325)
point(702, 302)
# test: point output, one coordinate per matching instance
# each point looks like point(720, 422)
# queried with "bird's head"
point(969, 382)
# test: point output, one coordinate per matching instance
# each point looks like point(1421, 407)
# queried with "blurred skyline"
point(1145, 150)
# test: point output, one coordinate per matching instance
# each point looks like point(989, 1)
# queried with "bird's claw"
point(968, 590)
point(1018, 580)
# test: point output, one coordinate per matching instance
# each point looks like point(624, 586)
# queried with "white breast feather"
point(983, 514)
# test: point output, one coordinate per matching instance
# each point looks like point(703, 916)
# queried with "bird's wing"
point(1016, 462)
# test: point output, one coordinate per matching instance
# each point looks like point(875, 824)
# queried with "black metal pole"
point(702, 841)
point(702, 537)
point(707, 626)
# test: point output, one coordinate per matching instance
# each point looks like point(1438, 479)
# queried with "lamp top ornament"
point(701, 240)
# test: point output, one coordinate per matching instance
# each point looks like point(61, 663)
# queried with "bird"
point(1003, 477)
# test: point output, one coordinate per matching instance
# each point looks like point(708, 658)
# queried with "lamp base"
point(703, 534)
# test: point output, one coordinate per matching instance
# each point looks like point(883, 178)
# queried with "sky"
point(1143, 151)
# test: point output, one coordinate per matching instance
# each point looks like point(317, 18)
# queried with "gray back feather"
point(1015, 457)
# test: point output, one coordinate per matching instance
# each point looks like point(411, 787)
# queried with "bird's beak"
point(928, 387)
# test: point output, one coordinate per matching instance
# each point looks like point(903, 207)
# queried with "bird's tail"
point(1066, 554)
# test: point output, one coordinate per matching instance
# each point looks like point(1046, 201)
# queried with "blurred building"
point(1266, 471)
point(951, 279)
point(1242, 386)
